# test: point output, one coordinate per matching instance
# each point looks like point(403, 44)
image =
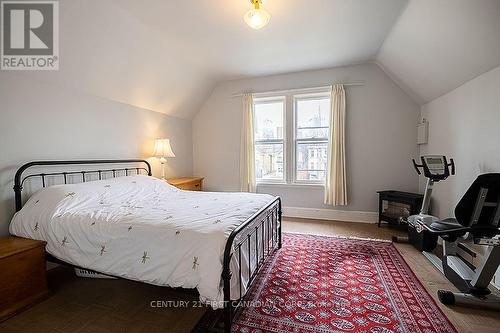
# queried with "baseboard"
point(331, 214)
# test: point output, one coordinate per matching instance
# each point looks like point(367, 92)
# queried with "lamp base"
point(163, 161)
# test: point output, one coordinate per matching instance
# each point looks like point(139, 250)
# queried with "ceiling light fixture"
point(257, 18)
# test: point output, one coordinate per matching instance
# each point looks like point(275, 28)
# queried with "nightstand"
point(187, 183)
point(22, 274)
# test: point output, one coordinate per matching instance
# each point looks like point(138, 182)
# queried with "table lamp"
point(162, 151)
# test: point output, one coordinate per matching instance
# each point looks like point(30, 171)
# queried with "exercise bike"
point(477, 217)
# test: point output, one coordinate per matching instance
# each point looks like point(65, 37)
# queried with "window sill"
point(307, 185)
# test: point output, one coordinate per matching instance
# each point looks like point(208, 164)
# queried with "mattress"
point(141, 228)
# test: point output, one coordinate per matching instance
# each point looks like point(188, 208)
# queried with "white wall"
point(465, 124)
point(39, 121)
point(381, 136)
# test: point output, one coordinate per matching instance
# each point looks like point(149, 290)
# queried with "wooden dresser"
point(23, 279)
point(187, 183)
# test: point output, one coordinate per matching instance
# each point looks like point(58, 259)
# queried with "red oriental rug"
point(326, 284)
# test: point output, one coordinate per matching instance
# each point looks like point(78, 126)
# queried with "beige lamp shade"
point(163, 148)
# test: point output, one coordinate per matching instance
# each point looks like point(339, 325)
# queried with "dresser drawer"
point(191, 186)
point(23, 279)
point(187, 183)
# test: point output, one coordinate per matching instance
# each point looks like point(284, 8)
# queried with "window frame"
point(306, 96)
point(265, 100)
point(289, 140)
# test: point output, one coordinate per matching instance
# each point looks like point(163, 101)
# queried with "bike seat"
point(447, 224)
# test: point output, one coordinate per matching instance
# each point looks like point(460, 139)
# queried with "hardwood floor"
point(90, 305)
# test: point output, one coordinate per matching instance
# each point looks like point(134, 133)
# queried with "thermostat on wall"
point(422, 132)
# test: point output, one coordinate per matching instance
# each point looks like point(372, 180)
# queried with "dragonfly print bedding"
point(140, 228)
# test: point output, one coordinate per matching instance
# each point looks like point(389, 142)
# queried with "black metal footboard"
point(264, 230)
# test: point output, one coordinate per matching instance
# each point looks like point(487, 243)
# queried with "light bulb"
point(257, 18)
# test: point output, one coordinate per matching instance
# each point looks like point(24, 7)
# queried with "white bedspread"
point(139, 228)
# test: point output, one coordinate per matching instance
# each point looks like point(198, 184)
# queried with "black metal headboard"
point(19, 179)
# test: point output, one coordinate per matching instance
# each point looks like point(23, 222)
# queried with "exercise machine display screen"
point(435, 167)
point(435, 164)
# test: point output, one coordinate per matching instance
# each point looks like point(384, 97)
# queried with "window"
point(291, 137)
point(269, 139)
point(312, 123)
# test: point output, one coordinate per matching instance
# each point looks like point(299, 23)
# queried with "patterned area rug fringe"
point(341, 237)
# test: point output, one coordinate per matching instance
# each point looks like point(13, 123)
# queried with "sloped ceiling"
point(167, 55)
point(437, 45)
point(302, 35)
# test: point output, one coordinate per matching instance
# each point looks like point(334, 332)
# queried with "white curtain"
point(336, 184)
point(247, 152)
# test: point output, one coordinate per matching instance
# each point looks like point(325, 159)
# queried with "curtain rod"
point(355, 83)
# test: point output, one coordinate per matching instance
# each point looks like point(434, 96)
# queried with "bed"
point(125, 223)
